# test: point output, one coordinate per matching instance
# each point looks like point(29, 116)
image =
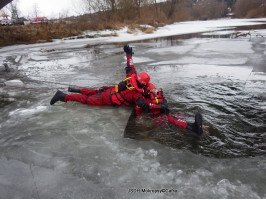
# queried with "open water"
point(71, 150)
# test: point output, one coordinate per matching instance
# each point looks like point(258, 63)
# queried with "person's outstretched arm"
point(130, 68)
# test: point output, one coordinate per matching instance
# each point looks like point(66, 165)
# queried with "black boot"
point(74, 90)
point(197, 125)
point(59, 96)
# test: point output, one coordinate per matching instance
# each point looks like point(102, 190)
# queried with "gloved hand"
point(128, 50)
point(164, 108)
point(142, 104)
point(164, 101)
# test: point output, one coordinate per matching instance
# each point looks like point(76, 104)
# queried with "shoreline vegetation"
point(134, 16)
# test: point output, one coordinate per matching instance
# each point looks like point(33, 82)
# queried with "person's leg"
point(98, 99)
point(76, 97)
point(88, 92)
point(83, 91)
point(101, 98)
point(195, 127)
point(177, 121)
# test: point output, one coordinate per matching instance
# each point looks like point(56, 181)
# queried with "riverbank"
point(42, 33)
point(131, 33)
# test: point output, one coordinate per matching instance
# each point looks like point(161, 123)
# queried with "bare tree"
point(140, 3)
point(13, 7)
point(94, 6)
point(156, 7)
point(209, 9)
point(112, 4)
point(4, 12)
point(11, 10)
point(36, 10)
point(63, 14)
point(250, 8)
point(172, 6)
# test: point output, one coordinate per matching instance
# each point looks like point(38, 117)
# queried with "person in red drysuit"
point(155, 98)
point(128, 91)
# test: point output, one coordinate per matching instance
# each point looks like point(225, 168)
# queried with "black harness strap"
point(122, 102)
point(87, 99)
point(110, 96)
point(125, 100)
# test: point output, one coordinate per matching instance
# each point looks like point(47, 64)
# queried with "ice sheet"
point(71, 150)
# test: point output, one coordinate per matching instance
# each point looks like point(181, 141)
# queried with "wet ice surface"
point(77, 151)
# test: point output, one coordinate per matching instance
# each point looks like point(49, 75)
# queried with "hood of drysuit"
point(149, 87)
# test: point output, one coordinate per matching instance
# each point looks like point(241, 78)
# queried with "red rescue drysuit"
point(154, 101)
point(127, 92)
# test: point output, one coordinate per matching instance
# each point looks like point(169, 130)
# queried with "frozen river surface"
point(71, 150)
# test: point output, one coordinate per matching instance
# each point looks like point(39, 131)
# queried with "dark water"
point(233, 108)
point(235, 124)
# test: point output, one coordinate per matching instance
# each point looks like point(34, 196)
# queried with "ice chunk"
point(182, 49)
point(27, 112)
point(16, 82)
point(39, 57)
point(152, 152)
point(18, 59)
point(141, 60)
